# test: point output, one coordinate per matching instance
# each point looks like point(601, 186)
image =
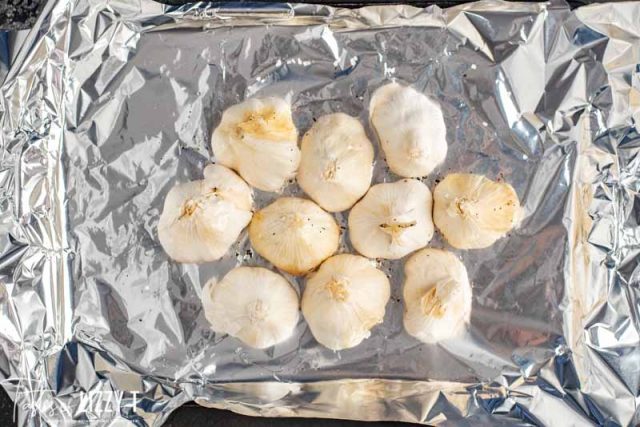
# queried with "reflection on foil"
point(110, 103)
point(10, 44)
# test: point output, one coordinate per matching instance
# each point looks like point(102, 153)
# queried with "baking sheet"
point(111, 103)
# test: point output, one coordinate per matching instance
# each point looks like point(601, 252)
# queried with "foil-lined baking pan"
point(112, 102)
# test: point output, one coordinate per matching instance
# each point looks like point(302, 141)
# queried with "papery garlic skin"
point(258, 139)
point(226, 185)
point(411, 129)
point(294, 234)
point(253, 304)
point(392, 220)
point(202, 219)
point(437, 296)
point(344, 299)
point(472, 211)
point(336, 162)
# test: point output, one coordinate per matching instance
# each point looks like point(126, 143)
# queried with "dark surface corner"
point(22, 14)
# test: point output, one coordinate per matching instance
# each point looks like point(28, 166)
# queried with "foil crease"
point(111, 102)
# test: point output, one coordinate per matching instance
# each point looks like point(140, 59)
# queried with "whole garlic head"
point(344, 299)
point(392, 220)
point(437, 295)
point(294, 234)
point(258, 139)
point(472, 211)
point(411, 129)
point(253, 304)
point(202, 219)
point(336, 162)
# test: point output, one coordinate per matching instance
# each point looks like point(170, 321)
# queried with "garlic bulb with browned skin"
point(472, 212)
point(294, 234)
point(202, 219)
point(411, 129)
point(253, 304)
point(392, 220)
point(344, 299)
point(336, 162)
point(258, 139)
point(437, 295)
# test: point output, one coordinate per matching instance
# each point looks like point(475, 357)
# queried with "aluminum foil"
point(112, 102)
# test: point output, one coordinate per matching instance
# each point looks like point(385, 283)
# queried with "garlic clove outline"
point(472, 211)
point(392, 220)
point(437, 296)
point(336, 163)
point(253, 304)
point(294, 234)
point(258, 139)
point(202, 219)
point(344, 300)
point(411, 129)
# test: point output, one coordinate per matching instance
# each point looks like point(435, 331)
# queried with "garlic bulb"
point(392, 220)
point(472, 211)
point(202, 219)
point(437, 295)
point(411, 129)
point(336, 162)
point(253, 304)
point(294, 234)
point(258, 139)
point(344, 299)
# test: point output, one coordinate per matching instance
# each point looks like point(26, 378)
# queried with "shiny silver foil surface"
point(112, 102)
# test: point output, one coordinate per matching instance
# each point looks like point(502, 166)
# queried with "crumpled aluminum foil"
point(111, 102)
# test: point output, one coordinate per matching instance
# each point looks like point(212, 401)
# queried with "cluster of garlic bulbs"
point(345, 295)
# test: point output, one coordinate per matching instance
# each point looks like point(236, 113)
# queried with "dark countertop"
point(19, 14)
